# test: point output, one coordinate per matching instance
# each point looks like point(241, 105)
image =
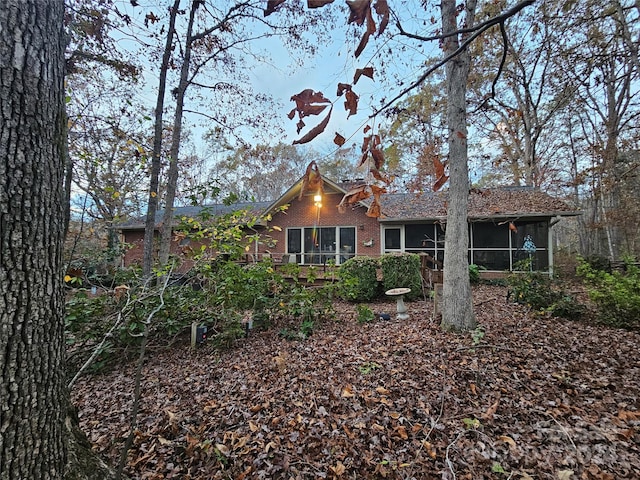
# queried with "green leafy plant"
point(368, 367)
point(402, 270)
point(616, 294)
point(477, 335)
point(365, 314)
point(542, 294)
point(474, 273)
point(358, 279)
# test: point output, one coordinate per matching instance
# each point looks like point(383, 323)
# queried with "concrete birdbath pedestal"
point(401, 308)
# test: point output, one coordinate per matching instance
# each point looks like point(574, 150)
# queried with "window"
point(319, 245)
point(491, 245)
point(392, 239)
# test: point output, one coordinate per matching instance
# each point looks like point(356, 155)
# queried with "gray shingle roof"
point(483, 203)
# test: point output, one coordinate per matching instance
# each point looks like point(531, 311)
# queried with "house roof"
point(501, 202)
point(484, 204)
point(217, 209)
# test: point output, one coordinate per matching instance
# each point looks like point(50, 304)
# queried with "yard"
point(522, 397)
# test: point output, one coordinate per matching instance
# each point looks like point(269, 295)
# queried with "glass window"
point(347, 243)
point(392, 238)
point(294, 240)
point(419, 236)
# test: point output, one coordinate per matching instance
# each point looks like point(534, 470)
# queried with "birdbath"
point(401, 308)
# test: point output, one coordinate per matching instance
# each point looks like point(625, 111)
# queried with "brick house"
point(507, 224)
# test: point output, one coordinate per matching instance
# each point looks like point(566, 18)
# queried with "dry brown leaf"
point(367, 72)
point(272, 6)
point(351, 102)
point(318, 3)
point(315, 131)
point(347, 392)
point(339, 140)
point(358, 10)
point(491, 411)
point(339, 469)
point(343, 87)
point(382, 9)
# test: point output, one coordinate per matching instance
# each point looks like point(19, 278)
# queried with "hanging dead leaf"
point(367, 72)
point(380, 177)
point(366, 128)
point(512, 227)
point(309, 102)
point(365, 143)
point(438, 166)
point(363, 43)
point(382, 9)
point(318, 3)
point(311, 180)
point(375, 210)
point(343, 87)
point(358, 10)
point(378, 158)
point(315, 131)
point(363, 159)
point(351, 103)
point(440, 183)
point(272, 6)
point(339, 140)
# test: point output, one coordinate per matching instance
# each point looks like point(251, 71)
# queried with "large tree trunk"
point(37, 434)
point(32, 406)
point(457, 305)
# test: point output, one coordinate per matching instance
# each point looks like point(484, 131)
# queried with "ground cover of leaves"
point(531, 397)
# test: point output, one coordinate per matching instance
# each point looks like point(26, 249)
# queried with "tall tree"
point(39, 439)
point(32, 403)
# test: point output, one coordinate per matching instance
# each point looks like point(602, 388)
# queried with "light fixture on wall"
point(317, 200)
point(360, 227)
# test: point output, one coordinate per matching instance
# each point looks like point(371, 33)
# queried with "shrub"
point(365, 314)
point(357, 279)
point(543, 294)
point(474, 273)
point(616, 294)
point(402, 271)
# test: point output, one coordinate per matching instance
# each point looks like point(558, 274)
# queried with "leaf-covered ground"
point(533, 397)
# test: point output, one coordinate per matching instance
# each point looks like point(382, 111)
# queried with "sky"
point(333, 63)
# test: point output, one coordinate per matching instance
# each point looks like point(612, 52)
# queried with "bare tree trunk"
point(172, 178)
point(457, 305)
point(152, 205)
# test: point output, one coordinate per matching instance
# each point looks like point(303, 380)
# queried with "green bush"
point(474, 273)
point(541, 293)
point(402, 271)
point(357, 279)
point(616, 294)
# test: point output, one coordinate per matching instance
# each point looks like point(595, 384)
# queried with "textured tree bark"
point(457, 305)
point(32, 405)
point(38, 432)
